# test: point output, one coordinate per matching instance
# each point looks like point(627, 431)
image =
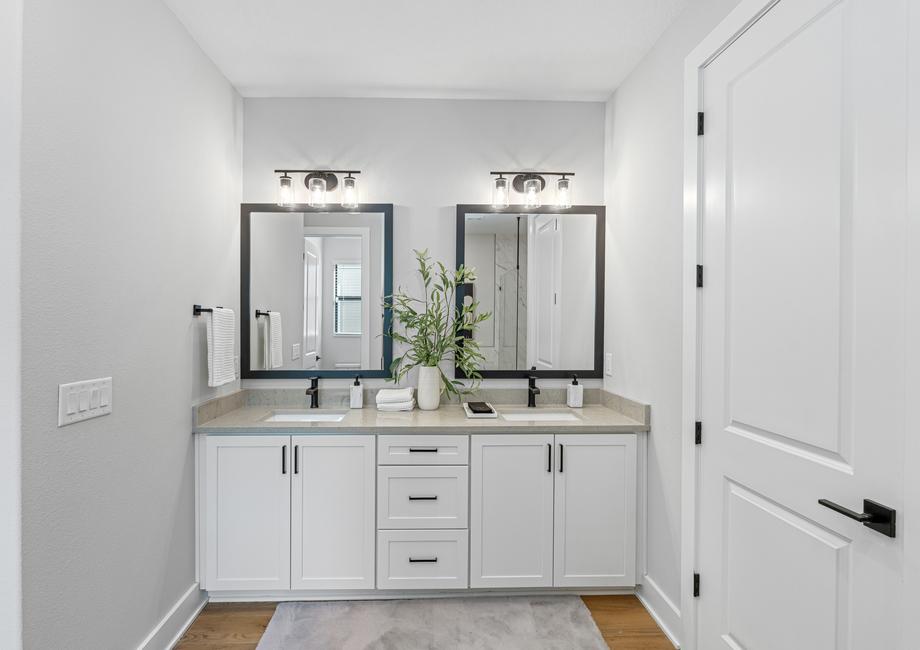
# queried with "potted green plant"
point(432, 328)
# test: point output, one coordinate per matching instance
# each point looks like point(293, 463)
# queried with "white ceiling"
point(489, 49)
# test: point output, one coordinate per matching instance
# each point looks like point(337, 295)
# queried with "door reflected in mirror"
point(320, 278)
point(536, 273)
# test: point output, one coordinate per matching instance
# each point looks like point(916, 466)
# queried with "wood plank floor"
point(622, 620)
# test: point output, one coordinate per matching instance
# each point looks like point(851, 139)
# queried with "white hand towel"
point(393, 407)
point(274, 336)
point(394, 395)
point(221, 327)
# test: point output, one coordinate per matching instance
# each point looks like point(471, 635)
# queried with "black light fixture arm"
point(318, 171)
point(533, 172)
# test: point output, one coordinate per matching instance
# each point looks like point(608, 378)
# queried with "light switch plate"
point(608, 364)
point(83, 400)
point(295, 351)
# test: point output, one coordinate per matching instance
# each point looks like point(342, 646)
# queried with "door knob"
point(876, 516)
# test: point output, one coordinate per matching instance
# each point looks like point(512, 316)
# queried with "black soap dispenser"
point(575, 396)
point(357, 393)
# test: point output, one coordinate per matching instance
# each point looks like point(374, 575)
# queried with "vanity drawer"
point(423, 450)
point(422, 559)
point(422, 497)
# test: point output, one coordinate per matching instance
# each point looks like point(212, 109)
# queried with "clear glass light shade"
point(285, 191)
point(532, 193)
point(349, 192)
point(501, 191)
point(564, 193)
point(317, 192)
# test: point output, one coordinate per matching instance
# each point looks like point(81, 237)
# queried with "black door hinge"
point(696, 585)
point(699, 276)
point(699, 123)
point(699, 432)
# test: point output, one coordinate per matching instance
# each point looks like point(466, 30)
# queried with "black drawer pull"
point(423, 498)
point(428, 560)
point(423, 450)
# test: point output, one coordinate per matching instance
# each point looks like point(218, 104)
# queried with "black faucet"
point(532, 390)
point(313, 392)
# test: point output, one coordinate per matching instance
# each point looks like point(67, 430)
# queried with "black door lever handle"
point(875, 516)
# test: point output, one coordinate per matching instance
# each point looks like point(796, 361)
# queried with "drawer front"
point(422, 559)
point(422, 497)
point(423, 450)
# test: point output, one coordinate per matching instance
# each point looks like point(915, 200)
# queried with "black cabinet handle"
point(284, 459)
point(549, 457)
point(415, 560)
point(561, 456)
point(297, 459)
point(423, 498)
point(875, 516)
point(423, 450)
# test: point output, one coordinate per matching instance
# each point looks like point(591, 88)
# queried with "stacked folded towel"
point(395, 399)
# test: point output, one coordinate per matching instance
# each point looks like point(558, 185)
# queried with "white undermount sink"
point(541, 416)
point(305, 416)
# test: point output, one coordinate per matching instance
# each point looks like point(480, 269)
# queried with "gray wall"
point(10, 130)
point(424, 156)
point(644, 187)
point(130, 178)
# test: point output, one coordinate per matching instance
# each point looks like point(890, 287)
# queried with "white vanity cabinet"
point(553, 510)
point(247, 501)
point(332, 512)
point(288, 512)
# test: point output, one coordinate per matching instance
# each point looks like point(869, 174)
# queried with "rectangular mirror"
point(540, 273)
point(313, 287)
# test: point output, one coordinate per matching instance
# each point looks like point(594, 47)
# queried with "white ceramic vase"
point(429, 387)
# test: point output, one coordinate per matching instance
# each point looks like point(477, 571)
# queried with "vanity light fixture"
point(349, 192)
point(319, 183)
point(501, 193)
point(285, 191)
point(531, 186)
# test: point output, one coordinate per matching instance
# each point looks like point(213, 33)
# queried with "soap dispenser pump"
point(575, 394)
point(357, 393)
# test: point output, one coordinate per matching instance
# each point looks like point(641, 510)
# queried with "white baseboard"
point(177, 620)
point(662, 608)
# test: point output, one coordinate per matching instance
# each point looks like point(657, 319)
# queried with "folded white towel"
point(397, 406)
point(274, 335)
point(394, 395)
point(221, 328)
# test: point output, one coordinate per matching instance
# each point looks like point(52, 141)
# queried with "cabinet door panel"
point(595, 513)
point(511, 511)
point(248, 512)
point(332, 513)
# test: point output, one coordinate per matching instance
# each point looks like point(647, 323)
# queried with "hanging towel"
point(394, 395)
point(393, 407)
point(274, 339)
point(221, 326)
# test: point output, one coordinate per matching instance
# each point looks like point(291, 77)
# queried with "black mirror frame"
point(600, 213)
point(246, 210)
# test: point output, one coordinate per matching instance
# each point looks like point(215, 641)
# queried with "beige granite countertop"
point(450, 418)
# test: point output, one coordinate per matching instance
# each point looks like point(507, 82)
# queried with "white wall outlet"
point(83, 400)
point(295, 351)
point(608, 364)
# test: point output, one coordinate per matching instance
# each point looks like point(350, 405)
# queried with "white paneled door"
point(802, 328)
point(332, 512)
point(312, 303)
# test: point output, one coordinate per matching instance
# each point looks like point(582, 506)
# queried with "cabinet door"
point(511, 511)
point(595, 528)
point(248, 504)
point(332, 513)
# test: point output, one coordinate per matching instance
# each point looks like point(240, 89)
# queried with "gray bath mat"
point(525, 623)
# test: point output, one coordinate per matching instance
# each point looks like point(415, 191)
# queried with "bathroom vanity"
point(356, 504)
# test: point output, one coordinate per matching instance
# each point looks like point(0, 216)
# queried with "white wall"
point(644, 195)
point(424, 156)
point(10, 333)
point(130, 192)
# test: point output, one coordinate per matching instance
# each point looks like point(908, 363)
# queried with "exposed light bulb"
point(564, 193)
point(350, 192)
point(500, 193)
point(285, 191)
point(532, 193)
point(316, 189)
